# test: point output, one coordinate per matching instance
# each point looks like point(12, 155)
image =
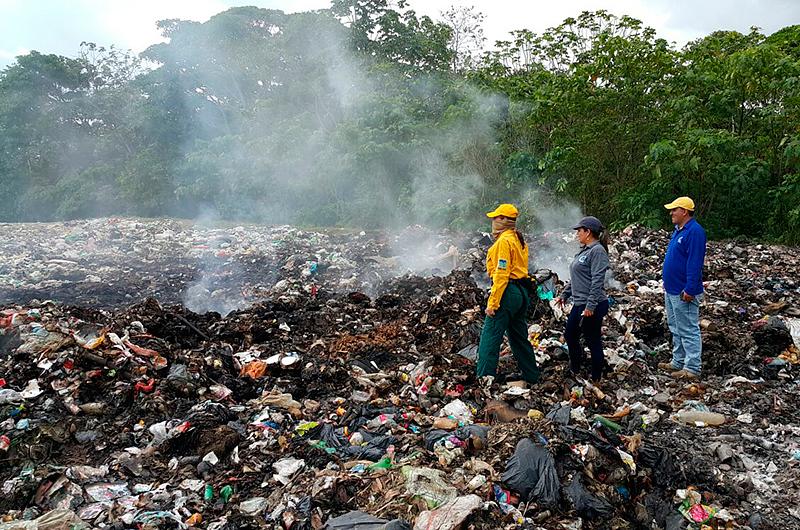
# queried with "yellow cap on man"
point(681, 202)
point(506, 210)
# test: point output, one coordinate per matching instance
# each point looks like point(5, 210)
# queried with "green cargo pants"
point(509, 318)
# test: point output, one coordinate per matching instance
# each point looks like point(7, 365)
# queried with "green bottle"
point(384, 463)
point(226, 493)
point(608, 423)
point(208, 494)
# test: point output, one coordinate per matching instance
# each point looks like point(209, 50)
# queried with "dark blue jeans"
point(590, 328)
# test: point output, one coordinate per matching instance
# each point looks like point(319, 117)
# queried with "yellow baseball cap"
point(681, 202)
point(506, 210)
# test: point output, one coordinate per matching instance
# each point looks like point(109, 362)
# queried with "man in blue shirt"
point(683, 289)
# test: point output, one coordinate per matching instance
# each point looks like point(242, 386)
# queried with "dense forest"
point(366, 114)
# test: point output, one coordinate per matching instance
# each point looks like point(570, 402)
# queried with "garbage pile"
point(344, 396)
point(109, 263)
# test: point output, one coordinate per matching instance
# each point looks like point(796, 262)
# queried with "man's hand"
point(490, 312)
point(587, 312)
point(686, 297)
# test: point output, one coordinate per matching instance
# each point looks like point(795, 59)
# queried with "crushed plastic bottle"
point(383, 463)
point(699, 418)
point(226, 493)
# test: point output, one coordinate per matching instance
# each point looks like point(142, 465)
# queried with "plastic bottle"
point(608, 423)
point(226, 493)
point(384, 463)
point(699, 418)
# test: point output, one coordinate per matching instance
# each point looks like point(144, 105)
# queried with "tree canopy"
point(369, 114)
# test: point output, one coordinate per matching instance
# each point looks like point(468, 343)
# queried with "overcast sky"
point(59, 26)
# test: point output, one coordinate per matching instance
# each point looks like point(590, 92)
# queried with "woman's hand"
point(490, 312)
point(587, 312)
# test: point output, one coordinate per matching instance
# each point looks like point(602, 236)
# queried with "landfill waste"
point(450, 515)
point(531, 471)
point(356, 520)
point(160, 374)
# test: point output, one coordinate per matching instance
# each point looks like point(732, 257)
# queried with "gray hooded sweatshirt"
point(587, 276)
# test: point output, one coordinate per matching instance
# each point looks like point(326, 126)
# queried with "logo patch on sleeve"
point(502, 264)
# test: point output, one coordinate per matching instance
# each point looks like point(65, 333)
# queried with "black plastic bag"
point(332, 436)
point(374, 449)
point(586, 504)
point(468, 431)
point(667, 473)
point(560, 414)
point(574, 434)
point(531, 472)
point(433, 436)
point(363, 521)
point(462, 433)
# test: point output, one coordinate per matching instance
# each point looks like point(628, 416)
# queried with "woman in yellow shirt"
point(507, 264)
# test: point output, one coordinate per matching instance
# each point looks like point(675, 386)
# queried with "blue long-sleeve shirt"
point(683, 264)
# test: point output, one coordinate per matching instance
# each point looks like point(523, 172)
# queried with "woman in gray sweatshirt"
point(589, 301)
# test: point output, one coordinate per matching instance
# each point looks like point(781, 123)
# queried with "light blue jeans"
point(684, 324)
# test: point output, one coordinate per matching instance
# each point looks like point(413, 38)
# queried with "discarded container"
point(699, 418)
point(383, 463)
point(226, 493)
point(606, 422)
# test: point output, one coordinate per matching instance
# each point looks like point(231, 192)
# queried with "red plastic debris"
point(142, 387)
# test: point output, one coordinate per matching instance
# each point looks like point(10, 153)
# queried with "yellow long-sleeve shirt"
point(506, 259)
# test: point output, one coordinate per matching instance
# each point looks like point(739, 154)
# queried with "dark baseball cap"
point(592, 223)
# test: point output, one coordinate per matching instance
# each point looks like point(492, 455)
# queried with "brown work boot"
point(666, 366)
point(685, 375)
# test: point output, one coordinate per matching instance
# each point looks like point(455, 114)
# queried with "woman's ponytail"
point(603, 238)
